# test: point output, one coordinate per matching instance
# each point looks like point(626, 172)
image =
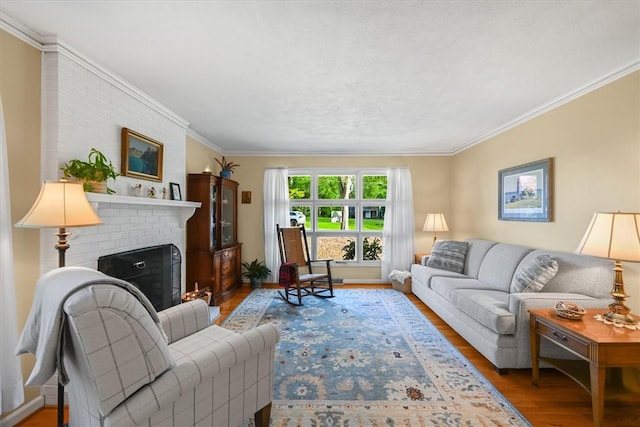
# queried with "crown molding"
point(634, 66)
point(19, 31)
point(204, 141)
point(52, 44)
point(334, 154)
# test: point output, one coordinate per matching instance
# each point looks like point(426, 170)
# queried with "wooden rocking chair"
point(296, 274)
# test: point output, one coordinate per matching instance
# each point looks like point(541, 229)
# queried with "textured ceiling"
point(348, 77)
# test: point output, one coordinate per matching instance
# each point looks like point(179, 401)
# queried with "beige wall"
point(200, 156)
point(429, 181)
point(20, 89)
point(430, 184)
point(595, 143)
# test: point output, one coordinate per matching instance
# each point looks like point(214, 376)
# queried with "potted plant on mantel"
point(93, 173)
point(226, 168)
point(256, 271)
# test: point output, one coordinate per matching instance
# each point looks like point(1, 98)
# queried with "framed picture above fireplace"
point(142, 157)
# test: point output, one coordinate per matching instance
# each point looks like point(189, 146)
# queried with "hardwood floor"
point(557, 402)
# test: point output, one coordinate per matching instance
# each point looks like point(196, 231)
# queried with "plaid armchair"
point(123, 370)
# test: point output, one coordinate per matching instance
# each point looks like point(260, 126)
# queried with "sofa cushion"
point(489, 308)
point(423, 274)
point(579, 274)
point(478, 248)
point(500, 264)
point(448, 255)
point(444, 286)
point(531, 276)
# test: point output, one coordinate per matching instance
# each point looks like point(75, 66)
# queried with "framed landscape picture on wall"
point(141, 156)
point(525, 192)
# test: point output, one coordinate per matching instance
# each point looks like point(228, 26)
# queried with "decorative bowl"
point(202, 294)
point(570, 310)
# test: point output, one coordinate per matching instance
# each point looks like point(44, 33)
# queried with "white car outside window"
point(296, 218)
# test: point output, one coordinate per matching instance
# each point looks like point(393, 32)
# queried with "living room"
point(592, 134)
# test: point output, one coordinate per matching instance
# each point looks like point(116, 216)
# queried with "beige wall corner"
point(20, 88)
point(430, 182)
point(199, 156)
point(595, 143)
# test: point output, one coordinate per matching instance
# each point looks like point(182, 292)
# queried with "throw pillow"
point(536, 273)
point(448, 255)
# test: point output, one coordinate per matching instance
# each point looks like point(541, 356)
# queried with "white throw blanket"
point(43, 332)
point(399, 276)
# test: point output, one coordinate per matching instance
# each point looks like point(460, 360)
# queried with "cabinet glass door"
point(228, 215)
point(213, 216)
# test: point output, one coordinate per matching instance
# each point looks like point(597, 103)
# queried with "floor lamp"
point(60, 204)
point(615, 236)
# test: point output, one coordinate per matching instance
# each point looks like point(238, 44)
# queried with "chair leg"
point(263, 416)
point(285, 297)
point(299, 295)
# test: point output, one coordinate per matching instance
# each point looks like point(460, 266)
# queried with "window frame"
point(313, 202)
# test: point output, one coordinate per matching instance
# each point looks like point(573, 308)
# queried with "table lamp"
point(435, 222)
point(60, 204)
point(615, 236)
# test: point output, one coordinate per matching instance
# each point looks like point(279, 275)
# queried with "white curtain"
point(276, 211)
point(398, 232)
point(11, 390)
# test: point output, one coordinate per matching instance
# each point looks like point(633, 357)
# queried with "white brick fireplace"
point(129, 223)
point(86, 106)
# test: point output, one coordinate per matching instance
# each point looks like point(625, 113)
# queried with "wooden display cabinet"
point(213, 250)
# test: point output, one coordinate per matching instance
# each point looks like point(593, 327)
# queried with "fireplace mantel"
point(187, 209)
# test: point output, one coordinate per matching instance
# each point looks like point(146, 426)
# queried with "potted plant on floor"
point(256, 271)
point(93, 173)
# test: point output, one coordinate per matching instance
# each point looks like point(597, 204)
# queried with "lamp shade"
point(613, 235)
point(435, 222)
point(60, 204)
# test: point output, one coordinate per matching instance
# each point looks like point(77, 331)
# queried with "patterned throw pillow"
point(536, 273)
point(448, 255)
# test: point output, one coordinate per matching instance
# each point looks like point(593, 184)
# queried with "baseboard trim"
point(23, 412)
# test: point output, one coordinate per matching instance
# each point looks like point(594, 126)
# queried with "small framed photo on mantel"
point(174, 189)
point(525, 192)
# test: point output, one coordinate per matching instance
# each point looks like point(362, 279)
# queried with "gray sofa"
point(479, 305)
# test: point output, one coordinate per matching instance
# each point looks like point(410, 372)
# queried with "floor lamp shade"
point(60, 204)
point(616, 236)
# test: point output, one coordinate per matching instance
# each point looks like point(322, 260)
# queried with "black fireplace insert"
point(154, 270)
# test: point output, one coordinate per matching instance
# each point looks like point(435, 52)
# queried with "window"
point(343, 211)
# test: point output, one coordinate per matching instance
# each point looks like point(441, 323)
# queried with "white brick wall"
point(125, 227)
point(85, 107)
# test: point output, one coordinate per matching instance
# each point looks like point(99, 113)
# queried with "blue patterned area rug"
point(369, 358)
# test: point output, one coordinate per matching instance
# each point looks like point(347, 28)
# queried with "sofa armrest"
point(184, 319)
point(521, 303)
point(200, 365)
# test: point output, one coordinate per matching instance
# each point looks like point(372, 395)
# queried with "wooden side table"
point(599, 346)
point(418, 258)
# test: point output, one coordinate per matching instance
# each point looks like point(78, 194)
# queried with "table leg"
point(598, 377)
point(534, 340)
